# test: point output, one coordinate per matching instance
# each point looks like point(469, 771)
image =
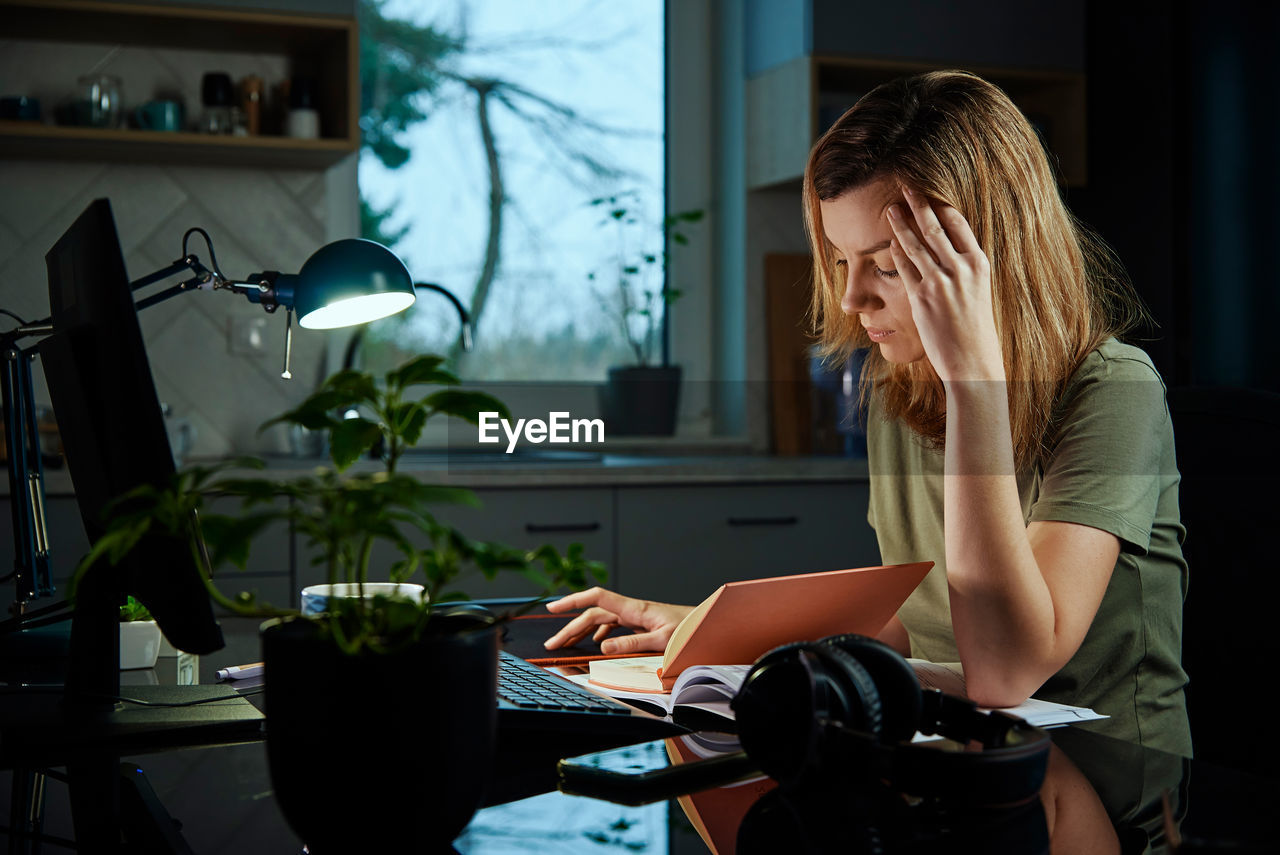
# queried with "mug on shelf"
point(20, 108)
point(159, 116)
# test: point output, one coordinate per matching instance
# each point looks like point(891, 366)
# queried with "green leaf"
point(438, 494)
point(423, 369)
point(316, 412)
point(350, 439)
point(229, 538)
point(465, 405)
point(350, 385)
point(133, 610)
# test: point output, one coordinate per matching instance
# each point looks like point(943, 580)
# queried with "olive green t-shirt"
point(1108, 463)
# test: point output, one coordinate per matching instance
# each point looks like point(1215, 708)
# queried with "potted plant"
point(381, 710)
point(641, 398)
point(139, 637)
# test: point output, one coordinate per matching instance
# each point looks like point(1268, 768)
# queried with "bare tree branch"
point(483, 89)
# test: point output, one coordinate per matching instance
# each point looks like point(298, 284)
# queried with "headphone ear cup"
point(785, 696)
point(856, 691)
point(775, 709)
point(895, 681)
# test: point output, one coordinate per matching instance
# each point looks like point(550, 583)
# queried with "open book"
point(699, 699)
point(744, 620)
point(701, 695)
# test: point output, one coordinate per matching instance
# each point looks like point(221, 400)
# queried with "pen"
point(240, 672)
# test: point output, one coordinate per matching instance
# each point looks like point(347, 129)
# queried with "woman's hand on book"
point(652, 623)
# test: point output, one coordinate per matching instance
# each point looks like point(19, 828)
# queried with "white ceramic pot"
point(139, 644)
point(315, 598)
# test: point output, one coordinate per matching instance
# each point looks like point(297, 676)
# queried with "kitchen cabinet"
point(679, 543)
point(675, 542)
point(791, 104)
point(520, 518)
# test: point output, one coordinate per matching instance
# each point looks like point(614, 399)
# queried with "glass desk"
point(222, 797)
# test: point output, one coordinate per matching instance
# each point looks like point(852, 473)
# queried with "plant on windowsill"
point(641, 398)
point(376, 685)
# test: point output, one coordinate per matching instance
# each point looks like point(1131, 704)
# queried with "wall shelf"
point(32, 140)
point(319, 46)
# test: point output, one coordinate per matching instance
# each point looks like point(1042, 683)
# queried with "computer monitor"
point(113, 435)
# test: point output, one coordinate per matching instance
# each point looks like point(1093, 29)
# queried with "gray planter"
point(641, 400)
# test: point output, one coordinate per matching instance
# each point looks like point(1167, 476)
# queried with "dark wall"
point(1183, 101)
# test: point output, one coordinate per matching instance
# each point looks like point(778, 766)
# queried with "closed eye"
point(886, 274)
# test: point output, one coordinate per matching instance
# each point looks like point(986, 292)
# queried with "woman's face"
point(858, 228)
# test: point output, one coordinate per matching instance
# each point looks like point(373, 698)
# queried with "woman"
point(1012, 438)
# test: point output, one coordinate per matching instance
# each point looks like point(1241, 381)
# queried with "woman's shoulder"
point(1113, 359)
point(1116, 384)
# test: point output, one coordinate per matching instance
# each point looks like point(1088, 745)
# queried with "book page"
point(946, 677)
point(706, 682)
point(654, 702)
point(686, 628)
point(705, 687)
point(635, 674)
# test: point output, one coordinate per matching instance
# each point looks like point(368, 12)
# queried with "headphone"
point(832, 722)
point(842, 711)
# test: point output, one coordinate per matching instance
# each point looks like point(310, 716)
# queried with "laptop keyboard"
point(530, 687)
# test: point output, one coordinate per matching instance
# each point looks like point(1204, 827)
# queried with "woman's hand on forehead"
point(947, 277)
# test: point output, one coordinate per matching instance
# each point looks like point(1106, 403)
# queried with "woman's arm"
point(1022, 598)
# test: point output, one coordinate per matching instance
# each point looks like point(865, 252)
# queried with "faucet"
point(357, 337)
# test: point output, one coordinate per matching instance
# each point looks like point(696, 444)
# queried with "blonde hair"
point(1057, 289)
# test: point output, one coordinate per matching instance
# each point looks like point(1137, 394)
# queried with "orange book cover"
point(744, 620)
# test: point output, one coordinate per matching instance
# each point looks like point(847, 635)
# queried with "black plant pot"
point(641, 400)
point(380, 753)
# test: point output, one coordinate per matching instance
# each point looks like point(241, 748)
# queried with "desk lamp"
point(344, 283)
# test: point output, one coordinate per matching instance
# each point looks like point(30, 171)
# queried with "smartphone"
point(642, 774)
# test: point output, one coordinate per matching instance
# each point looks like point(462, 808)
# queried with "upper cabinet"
point(43, 39)
point(807, 61)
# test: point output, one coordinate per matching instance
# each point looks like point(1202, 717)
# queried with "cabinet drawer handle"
point(560, 528)
point(736, 521)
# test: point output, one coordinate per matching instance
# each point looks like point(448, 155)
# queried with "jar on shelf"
point(303, 119)
point(100, 103)
point(217, 94)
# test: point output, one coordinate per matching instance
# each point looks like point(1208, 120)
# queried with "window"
point(514, 154)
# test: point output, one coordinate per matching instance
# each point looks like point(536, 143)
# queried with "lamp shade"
point(351, 282)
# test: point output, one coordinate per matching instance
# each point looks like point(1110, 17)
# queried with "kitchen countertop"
point(570, 469)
